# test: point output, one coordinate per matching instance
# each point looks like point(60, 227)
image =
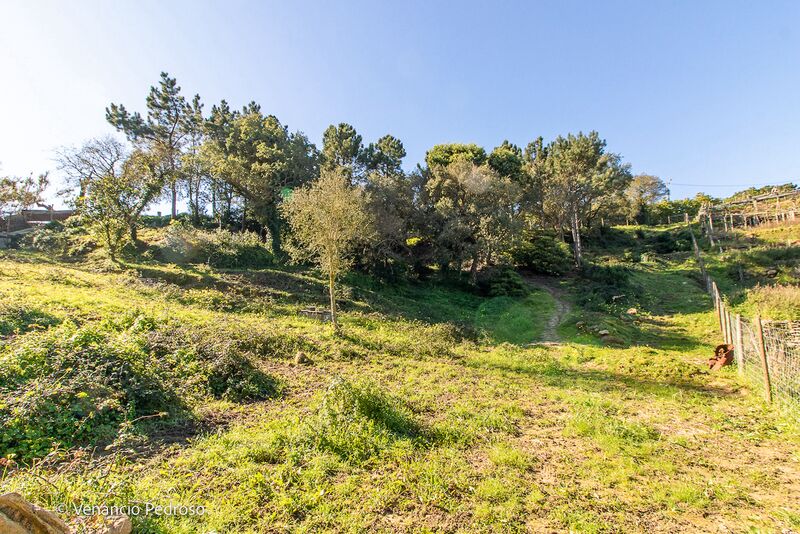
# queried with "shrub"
point(15, 318)
point(606, 284)
point(357, 421)
point(73, 386)
point(543, 255)
point(781, 302)
point(64, 239)
point(80, 385)
point(218, 248)
point(501, 281)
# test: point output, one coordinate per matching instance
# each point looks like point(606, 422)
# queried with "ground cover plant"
point(436, 409)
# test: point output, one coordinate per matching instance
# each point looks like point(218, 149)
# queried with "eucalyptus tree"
point(161, 132)
point(643, 192)
point(580, 174)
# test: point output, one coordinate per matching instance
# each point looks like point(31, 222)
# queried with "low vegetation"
point(435, 409)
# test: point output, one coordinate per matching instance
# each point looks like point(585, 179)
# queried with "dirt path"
point(562, 307)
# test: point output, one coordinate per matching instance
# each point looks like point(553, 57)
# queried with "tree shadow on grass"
point(555, 374)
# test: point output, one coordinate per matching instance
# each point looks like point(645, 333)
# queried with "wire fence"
point(766, 352)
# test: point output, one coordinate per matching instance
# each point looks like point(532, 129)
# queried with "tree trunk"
point(473, 270)
point(332, 292)
point(133, 233)
point(275, 236)
point(174, 201)
point(576, 238)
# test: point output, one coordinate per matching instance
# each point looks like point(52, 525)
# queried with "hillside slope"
point(435, 411)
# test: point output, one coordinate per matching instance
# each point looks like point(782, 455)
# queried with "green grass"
point(432, 413)
point(515, 320)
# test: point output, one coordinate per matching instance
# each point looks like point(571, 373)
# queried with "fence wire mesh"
point(766, 352)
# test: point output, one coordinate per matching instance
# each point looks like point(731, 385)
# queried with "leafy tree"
point(445, 154)
point(390, 204)
point(217, 128)
point(580, 174)
point(342, 148)
point(475, 211)
point(328, 217)
point(113, 202)
point(18, 194)
point(161, 132)
point(261, 160)
point(643, 191)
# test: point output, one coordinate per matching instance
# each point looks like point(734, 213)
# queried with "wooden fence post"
point(762, 349)
point(738, 346)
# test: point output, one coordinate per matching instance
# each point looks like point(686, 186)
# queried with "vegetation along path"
point(560, 311)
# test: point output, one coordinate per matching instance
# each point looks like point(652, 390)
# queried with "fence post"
point(729, 325)
point(738, 346)
point(762, 349)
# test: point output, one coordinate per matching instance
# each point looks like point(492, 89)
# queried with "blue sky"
point(705, 94)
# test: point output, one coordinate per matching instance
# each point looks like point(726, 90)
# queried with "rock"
point(772, 273)
point(603, 332)
point(118, 524)
point(614, 341)
point(7, 526)
point(301, 359)
point(580, 324)
point(632, 311)
point(18, 515)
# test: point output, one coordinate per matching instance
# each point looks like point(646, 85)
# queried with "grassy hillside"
point(435, 411)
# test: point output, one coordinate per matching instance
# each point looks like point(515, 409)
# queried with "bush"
point(501, 281)
point(15, 319)
point(64, 239)
point(357, 421)
point(80, 385)
point(219, 248)
point(604, 285)
point(543, 255)
point(73, 386)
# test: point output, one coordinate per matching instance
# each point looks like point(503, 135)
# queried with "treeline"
point(462, 208)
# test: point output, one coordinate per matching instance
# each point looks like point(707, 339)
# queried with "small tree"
point(114, 200)
point(17, 194)
point(328, 218)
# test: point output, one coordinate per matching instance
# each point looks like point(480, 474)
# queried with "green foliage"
point(358, 421)
point(604, 285)
point(16, 318)
point(68, 239)
point(543, 255)
point(218, 248)
point(501, 281)
point(75, 385)
point(445, 154)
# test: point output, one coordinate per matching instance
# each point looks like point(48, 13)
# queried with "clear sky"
point(703, 94)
